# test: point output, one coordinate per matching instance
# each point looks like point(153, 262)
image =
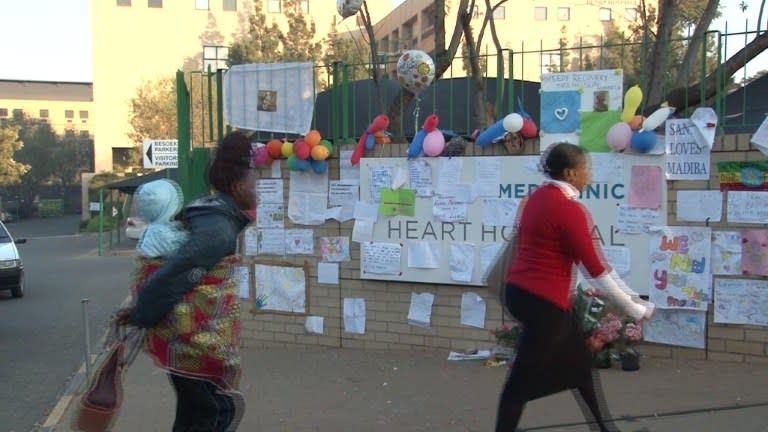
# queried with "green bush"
point(92, 224)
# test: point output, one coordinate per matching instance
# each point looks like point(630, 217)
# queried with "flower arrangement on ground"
point(506, 341)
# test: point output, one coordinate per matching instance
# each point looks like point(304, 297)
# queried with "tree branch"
point(696, 41)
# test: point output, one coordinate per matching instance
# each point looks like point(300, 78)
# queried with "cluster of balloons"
point(635, 131)
point(415, 70)
point(368, 138)
point(309, 152)
point(513, 123)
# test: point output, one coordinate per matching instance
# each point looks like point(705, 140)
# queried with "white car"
point(11, 266)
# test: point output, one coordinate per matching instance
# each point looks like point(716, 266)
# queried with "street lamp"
point(215, 57)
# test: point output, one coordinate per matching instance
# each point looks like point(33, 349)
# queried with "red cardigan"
point(554, 237)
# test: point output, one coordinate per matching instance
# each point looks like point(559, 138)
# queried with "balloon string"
point(416, 116)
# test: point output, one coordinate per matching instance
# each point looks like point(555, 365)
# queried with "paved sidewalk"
point(319, 390)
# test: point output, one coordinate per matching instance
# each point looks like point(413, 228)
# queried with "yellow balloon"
point(287, 149)
point(320, 152)
point(632, 99)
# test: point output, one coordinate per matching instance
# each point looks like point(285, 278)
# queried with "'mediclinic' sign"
point(161, 154)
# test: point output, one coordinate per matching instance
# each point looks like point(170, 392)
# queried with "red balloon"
point(529, 129)
point(301, 149)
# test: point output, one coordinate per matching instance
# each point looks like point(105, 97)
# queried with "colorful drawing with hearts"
point(334, 249)
point(754, 252)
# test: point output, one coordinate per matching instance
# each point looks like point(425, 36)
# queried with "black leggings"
point(201, 406)
point(551, 357)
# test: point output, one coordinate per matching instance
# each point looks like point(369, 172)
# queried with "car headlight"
point(9, 264)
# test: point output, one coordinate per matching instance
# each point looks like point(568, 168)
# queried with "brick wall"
point(387, 303)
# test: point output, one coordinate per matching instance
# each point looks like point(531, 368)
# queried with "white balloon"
point(513, 123)
point(657, 118)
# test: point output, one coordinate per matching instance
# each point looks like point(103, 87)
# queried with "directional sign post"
point(161, 154)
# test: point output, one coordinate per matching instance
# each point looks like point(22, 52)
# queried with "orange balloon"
point(274, 148)
point(636, 122)
point(320, 152)
point(312, 138)
point(381, 138)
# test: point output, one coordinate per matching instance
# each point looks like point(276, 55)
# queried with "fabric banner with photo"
point(276, 97)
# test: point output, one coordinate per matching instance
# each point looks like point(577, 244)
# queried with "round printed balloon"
point(415, 70)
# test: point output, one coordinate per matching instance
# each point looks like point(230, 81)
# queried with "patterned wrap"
point(200, 337)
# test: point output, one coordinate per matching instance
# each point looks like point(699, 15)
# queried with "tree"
point(10, 169)
point(152, 114)
point(259, 42)
point(297, 42)
point(345, 49)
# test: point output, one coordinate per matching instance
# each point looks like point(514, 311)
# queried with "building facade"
point(66, 106)
point(137, 41)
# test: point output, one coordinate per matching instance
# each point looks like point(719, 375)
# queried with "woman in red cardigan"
point(553, 238)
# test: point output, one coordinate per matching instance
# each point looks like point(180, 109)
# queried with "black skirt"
point(552, 354)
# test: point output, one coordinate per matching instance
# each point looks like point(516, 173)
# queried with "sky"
point(50, 40)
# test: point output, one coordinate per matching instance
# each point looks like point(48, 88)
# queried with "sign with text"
point(161, 153)
point(458, 217)
point(687, 158)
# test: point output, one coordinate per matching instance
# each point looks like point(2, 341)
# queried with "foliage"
point(506, 335)
point(102, 179)
point(297, 42)
point(152, 115)
point(345, 49)
point(10, 169)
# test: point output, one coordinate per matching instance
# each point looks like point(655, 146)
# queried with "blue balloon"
point(643, 142)
point(302, 164)
point(495, 131)
point(417, 145)
point(370, 142)
point(319, 166)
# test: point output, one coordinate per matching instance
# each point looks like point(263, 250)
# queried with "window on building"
point(18, 113)
point(3, 112)
point(550, 62)
point(202, 5)
point(69, 114)
point(123, 2)
point(540, 13)
point(605, 14)
point(83, 114)
point(84, 134)
point(230, 5)
point(273, 6)
point(631, 14)
point(69, 133)
point(500, 13)
point(155, 3)
point(44, 113)
point(427, 19)
point(564, 13)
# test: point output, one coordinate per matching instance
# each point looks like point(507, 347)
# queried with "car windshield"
point(4, 236)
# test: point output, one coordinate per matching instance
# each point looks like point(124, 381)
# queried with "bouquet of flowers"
point(506, 335)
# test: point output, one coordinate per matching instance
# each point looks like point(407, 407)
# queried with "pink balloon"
point(261, 157)
point(434, 143)
point(619, 136)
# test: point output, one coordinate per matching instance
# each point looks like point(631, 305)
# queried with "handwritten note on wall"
point(699, 206)
point(381, 258)
point(741, 301)
point(747, 207)
point(680, 272)
point(687, 157)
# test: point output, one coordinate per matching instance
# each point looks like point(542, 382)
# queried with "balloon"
point(417, 145)
point(261, 156)
point(529, 130)
point(513, 123)
point(319, 166)
point(370, 142)
point(632, 99)
point(657, 118)
point(327, 144)
point(431, 122)
point(379, 123)
point(415, 70)
point(347, 8)
point(291, 163)
point(495, 131)
point(643, 142)
point(303, 164)
point(312, 138)
point(636, 122)
point(301, 149)
point(434, 143)
point(319, 153)
point(274, 149)
point(286, 149)
point(619, 136)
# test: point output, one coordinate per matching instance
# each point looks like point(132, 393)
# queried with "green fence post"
point(101, 221)
point(183, 133)
point(111, 220)
point(220, 104)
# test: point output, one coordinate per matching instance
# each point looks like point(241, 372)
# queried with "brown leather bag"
point(101, 402)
